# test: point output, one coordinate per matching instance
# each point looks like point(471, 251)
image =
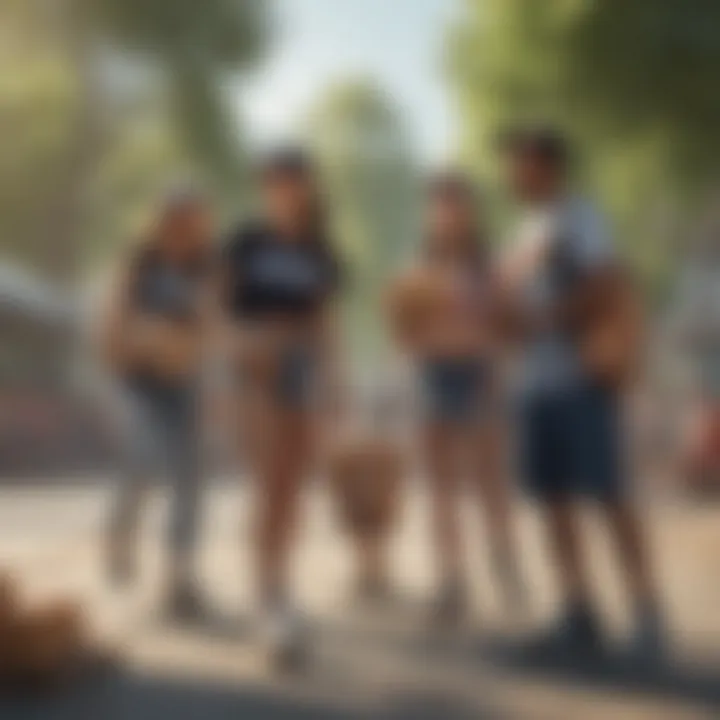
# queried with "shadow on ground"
point(135, 697)
point(670, 678)
point(140, 697)
point(667, 678)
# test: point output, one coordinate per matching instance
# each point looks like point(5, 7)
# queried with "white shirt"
point(576, 229)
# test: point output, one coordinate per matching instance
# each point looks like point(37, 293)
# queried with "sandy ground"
point(381, 663)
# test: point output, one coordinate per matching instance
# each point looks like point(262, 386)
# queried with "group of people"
point(526, 345)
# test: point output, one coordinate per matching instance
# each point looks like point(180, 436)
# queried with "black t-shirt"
point(266, 275)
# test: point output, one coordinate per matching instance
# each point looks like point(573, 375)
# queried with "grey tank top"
point(164, 290)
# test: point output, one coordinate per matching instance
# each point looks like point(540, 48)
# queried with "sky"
point(398, 43)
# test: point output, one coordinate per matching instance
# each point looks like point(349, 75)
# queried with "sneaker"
point(576, 632)
point(371, 590)
point(185, 603)
point(450, 606)
point(648, 642)
point(285, 636)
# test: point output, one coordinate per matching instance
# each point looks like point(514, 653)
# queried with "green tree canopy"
point(198, 46)
point(631, 81)
point(85, 149)
point(372, 182)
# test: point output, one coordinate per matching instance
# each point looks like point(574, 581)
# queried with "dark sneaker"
point(185, 603)
point(286, 637)
point(372, 590)
point(450, 606)
point(648, 642)
point(576, 632)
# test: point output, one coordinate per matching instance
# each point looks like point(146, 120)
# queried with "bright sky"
point(396, 42)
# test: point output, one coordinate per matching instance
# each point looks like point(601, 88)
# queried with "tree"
point(372, 184)
point(631, 81)
point(36, 112)
point(68, 124)
point(198, 47)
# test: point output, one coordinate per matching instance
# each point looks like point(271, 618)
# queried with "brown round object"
point(8, 617)
point(168, 348)
point(365, 475)
point(416, 301)
point(46, 643)
point(8, 599)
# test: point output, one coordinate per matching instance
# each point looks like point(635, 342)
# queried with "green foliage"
point(227, 34)
point(36, 114)
point(631, 81)
point(372, 182)
point(196, 44)
point(84, 156)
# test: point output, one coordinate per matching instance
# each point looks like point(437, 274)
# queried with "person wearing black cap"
point(563, 274)
point(151, 338)
point(444, 308)
point(280, 276)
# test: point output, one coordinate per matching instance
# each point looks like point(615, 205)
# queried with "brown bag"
point(8, 617)
point(414, 302)
point(365, 477)
point(169, 349)
point(44, 644)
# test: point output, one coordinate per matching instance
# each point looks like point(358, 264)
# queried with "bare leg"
point(280, 479)
point(490, 481)
point(633, 554)
point(566, 548)
point(649, 639)
point(441, 467)
point(372, 578)
point(577, 629)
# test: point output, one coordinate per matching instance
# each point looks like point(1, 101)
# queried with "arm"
point(596, 296)
point(601, 285)
point(508, 319)
point(604, 311)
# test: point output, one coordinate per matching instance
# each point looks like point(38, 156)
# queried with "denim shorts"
point(570, 443)
point(296, 379)
point(455, 391)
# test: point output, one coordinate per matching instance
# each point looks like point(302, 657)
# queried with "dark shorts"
point(455, 391)
point(571, 443)
point(297, 376)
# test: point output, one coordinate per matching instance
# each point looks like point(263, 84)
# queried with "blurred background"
point(103, 103)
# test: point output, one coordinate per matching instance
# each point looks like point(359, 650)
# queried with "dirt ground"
point(367, 663)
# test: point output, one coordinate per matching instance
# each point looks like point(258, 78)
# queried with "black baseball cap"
point(544, 142)
point(288, 162)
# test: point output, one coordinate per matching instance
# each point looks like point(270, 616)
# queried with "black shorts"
point(571, 443)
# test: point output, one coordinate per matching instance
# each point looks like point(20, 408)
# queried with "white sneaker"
point(285, 637)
